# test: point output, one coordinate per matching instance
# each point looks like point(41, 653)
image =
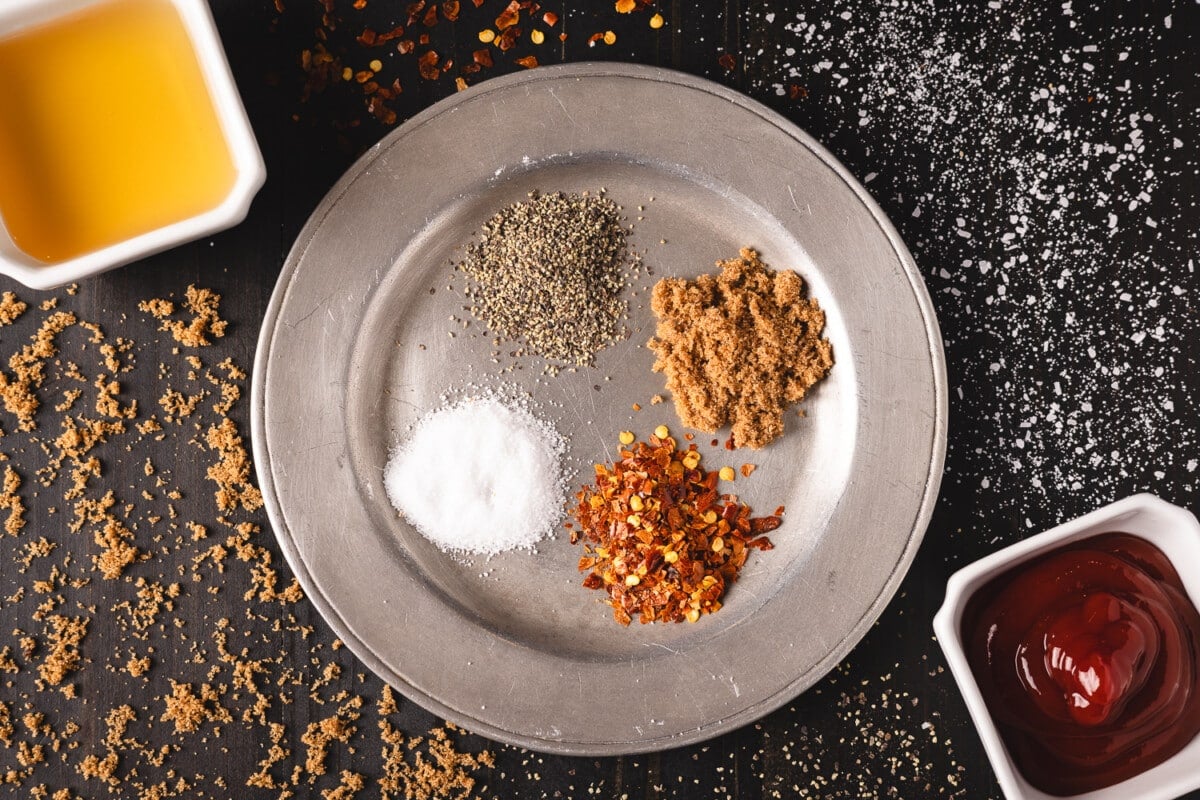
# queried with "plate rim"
point(345, 630)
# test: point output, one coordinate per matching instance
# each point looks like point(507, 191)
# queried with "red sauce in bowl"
point(1088, 660)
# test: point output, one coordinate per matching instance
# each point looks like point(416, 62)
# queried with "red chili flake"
point(550, 18)
point(423, 38)
point(715, 442)
point(470, 69)
point(657, 536)
point(279, 6)
point(528, 62)
point(414, 11)
point(362, 76)
point(428, 65)
point(508, 39)
point(562, 37)
point(359, 5)
point(394, 33)
point(405, 46)
point(368, 37)
point(431, 17)
point(450, 10)
point(483, 57)
point(595, 37)
point(729, 443)
point(727, 61)
point(447, 65)
point(478, 3)
point(381, 112)
point(509, 16)
point(795, 91)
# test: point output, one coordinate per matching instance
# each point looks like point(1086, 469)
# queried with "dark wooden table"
point(1040, 160)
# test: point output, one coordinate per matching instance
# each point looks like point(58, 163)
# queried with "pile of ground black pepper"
point(551, 271)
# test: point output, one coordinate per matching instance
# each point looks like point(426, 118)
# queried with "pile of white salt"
point(479, 476)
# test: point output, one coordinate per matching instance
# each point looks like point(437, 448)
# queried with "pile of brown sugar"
point(739, 347)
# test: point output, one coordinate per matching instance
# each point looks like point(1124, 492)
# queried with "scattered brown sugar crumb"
point(63, 658)
point(19, 391)
point(231, 473)
point(107, 403)
point(739, 347)
point(9, 499)
point(441, 772)
point(178, 405)
point(117, 552)
point(320, 735)
point(189, 710)
point(351, 783)
point(205, 322)
point(11, 308)
point(137, 667)
point(657, 400)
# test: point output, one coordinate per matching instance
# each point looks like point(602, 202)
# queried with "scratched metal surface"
point(357, 345)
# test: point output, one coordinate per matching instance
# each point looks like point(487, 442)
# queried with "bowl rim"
point(1147, 785)
point(249, 167)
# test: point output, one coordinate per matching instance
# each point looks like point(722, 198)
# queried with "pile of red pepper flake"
point(658, 537)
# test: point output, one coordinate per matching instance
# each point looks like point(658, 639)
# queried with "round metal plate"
point(356, 346)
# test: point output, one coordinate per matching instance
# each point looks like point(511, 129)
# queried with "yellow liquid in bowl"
point(107, 129)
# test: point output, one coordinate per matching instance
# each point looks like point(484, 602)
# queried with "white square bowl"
point(1170, 528)
point(16, 15)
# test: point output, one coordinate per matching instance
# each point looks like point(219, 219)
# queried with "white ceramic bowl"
point(248, 162)
point(1170, 528)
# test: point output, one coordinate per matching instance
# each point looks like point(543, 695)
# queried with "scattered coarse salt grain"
point(479, 476)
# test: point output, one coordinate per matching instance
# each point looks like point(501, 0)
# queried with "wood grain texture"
point(954, 149)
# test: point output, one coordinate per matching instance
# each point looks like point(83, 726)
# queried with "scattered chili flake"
point(482, 57)
point(795, 92)
point(528, 62)
point(727, 61)
point(509, 16)
point(550, 18)
point(625, 6)
point(428, 65)
point(359, 5)
point(423, 39)
point(367, 38)
point(748, 470)
point(478, 3)
point(405, 46)
point(450, 10)
point(659, 538)
point(506, 40)
point(431, 17)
